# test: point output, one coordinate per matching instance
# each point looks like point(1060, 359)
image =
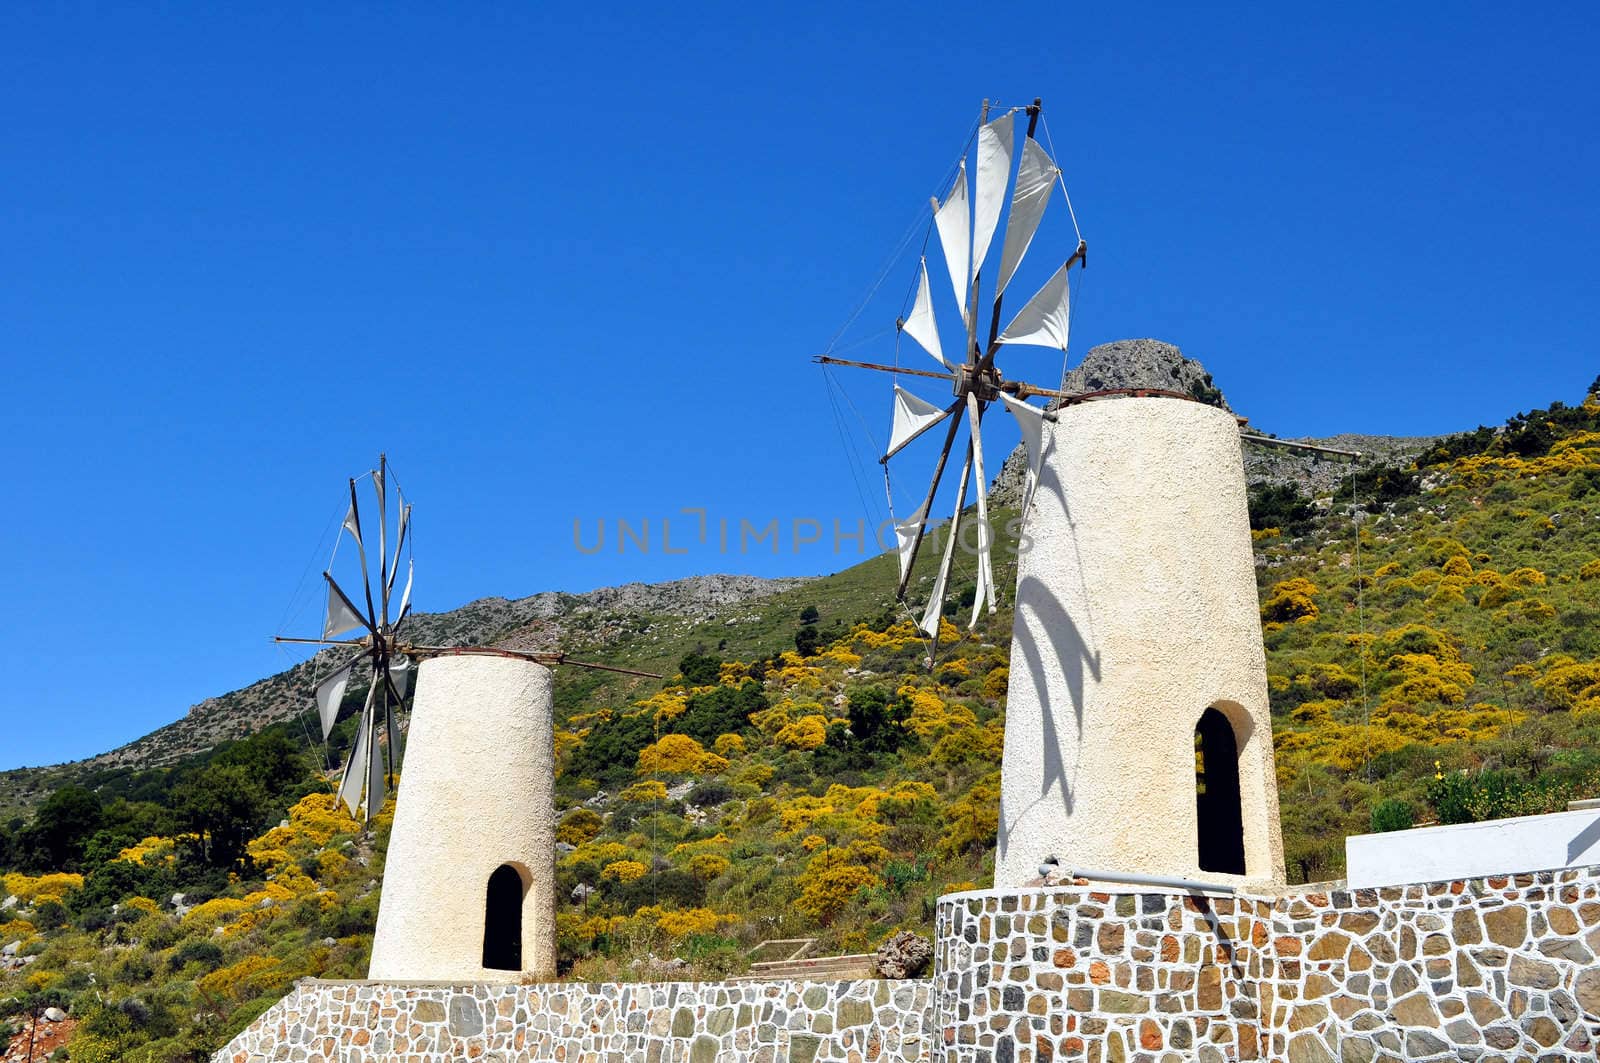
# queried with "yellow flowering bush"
point(1572, 685)
point(1291, 600)
point(243, 980)
point(728, 745)
point(50, 887)
point(683, 923)
point(806, 733)
point(669, 704)
point(645, 790)
point(679, 755)
point(149, 851)
point(623, 871)
point(707, 866)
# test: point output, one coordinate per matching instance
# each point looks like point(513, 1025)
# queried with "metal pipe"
point(1151, 880)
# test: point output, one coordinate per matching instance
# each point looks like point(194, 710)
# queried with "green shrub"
point(1390, 815)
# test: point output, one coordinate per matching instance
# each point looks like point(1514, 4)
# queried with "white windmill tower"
point(1138, 735)
point(469, 881)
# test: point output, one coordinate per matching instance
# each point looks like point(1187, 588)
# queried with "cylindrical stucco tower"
point(469, 881)
point(1138, 734)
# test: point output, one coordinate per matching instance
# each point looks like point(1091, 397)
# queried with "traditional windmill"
point(967, 226)
point(380, 650)
point(1136, 644)
point(967, 229)
point(469, 891)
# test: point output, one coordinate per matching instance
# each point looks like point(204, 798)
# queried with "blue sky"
point(573, 264)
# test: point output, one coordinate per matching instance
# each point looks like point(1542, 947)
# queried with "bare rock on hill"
point(1142, 364)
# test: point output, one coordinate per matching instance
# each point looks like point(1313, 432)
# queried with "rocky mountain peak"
point(1142, 364)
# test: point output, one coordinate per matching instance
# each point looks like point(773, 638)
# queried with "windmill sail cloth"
point(330, 692)
point(935, 609)
point(953, 219)
point(1043, 322)
point(984, 597)
point(1036, 179)
point(399, 544)
point(355, 772)
point(400, 673)
point(352, 522)
point(375, 788)
point(341, 618)
point(1031, 420)
point(921, 325)
point(912, 417)
point(905, 533)
point(405, 597)
point(995, 144)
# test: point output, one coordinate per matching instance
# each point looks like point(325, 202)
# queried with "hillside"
point(813, 767)
point(611, 620)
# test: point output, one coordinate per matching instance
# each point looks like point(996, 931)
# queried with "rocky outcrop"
point(904, 955)
point(1141, 364)
point(1154, 364)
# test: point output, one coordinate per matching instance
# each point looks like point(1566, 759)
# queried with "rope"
point(1060, 176)
point(905, 241)
point(852, 458)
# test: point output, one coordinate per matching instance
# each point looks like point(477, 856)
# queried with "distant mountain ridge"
point(536, 622)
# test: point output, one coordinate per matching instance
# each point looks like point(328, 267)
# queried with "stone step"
point(821, 968)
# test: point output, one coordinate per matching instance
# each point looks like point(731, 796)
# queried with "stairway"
point(815, 969)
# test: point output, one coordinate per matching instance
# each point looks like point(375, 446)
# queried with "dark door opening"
point(502, 921)
point(1216, 795)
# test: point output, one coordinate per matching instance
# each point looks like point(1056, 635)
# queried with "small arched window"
point(502, 920)
point(1216, 795)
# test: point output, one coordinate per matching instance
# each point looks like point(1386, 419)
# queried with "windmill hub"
point(983, 382)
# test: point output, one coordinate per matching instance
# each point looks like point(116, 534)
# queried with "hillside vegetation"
point(815, 768)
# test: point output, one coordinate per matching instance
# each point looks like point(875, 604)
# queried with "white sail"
point(995, 143)
point(341, 618)
point(405, 597)
point(375, 788)
point(1036, 179)
point(330, 692)
point(984, 598)
point(355, 772)
point(921, 325)
point(400, 542)
point(400, 672)
point(905, 533)
point(912, 417)
point(935, 609)
point(1031, 420)
point(352, 522)
point(953, 219)
point(1043, 322)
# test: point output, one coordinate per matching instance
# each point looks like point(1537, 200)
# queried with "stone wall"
point(1488, 970)
point(659, 1022)
point(1484, 969)
point(1075, 974)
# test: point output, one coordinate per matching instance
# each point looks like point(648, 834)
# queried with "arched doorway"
point(502, 920)
point(1216, 795)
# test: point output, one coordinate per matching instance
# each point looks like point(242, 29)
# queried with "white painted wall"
point(1136, 610)
point(1468, 850)
point(477, 791)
